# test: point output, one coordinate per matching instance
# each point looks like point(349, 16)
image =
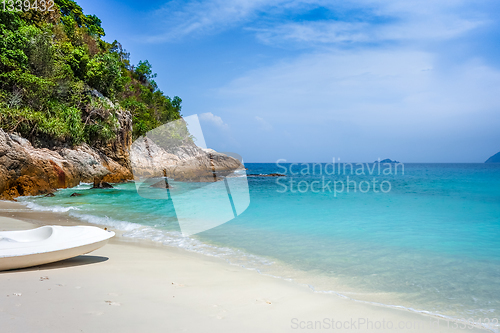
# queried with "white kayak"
point(26, 248)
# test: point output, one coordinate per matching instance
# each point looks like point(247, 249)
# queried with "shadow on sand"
point(72, 262)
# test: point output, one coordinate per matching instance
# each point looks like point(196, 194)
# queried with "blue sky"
point(309, 80)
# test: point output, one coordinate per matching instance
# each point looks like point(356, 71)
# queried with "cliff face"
point(116, 153)
point(25, 170)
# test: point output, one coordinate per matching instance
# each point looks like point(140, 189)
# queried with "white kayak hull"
point(21, 249)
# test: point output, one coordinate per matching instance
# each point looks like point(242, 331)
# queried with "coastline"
point(138, 285)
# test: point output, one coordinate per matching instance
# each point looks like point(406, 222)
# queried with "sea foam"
point(55, 209)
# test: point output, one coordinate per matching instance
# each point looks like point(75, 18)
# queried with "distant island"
point(494, 159)
point(387, 160)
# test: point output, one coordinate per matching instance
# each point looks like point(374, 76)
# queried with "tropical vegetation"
point(62, 83)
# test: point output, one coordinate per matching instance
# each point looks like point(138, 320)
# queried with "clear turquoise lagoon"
point(431, 243)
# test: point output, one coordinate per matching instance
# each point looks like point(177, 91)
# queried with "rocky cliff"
point(26, 170)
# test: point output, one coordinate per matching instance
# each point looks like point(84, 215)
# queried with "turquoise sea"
point(431, 243)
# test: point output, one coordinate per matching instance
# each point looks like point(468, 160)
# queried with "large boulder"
point(25, 170)
point(186, 162)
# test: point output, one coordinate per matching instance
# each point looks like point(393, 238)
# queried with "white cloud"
point(409, 22)
point(263, 125)
point(377, 20)
point(341, 32)
point(213, 119)
point(403, 76)
point(363, 100)
point(314, 32)
point(200, 17)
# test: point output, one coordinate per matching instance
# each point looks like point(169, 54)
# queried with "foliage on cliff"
point(54, 66)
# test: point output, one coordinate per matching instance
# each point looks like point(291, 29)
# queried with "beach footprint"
point(220, 312)
point(264, 301)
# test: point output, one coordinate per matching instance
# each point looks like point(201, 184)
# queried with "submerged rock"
point(49, 195)
point(76, 195)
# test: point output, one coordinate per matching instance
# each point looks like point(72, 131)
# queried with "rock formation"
point(494, 159)
point(186, 162)
point(98, 183)
point(25, 170)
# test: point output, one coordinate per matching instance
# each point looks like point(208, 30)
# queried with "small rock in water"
point(101, 185)
point(49, 195)
point(76, 195)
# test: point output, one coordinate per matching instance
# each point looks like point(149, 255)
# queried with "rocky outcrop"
point(100, 184)
point(494, 159)
point(186, 162)
point(118, 149)
point(25, 170)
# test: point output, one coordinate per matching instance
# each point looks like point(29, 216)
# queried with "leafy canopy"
point(60, 82)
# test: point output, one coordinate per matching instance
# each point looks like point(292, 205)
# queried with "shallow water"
point(431, 243)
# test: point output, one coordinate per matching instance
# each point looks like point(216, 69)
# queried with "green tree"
point(51, 63)
point(104, 74)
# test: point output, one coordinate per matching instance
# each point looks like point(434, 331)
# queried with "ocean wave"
point(82, 187)
point(107, 221)
point(230, 255)
point(489, 327)
point(55, 209)
point(257, 263)
point(176, 239)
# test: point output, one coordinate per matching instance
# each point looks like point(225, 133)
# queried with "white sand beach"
point(142, 287)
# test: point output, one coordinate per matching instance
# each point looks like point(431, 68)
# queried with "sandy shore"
point(142, 287)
